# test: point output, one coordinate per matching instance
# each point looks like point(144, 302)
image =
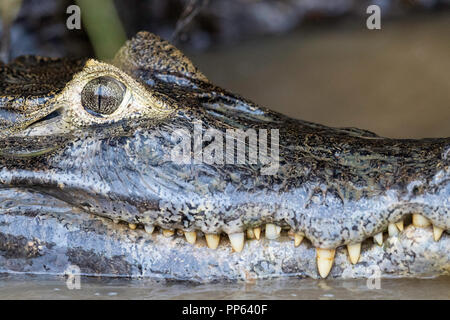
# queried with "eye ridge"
point(102, 96)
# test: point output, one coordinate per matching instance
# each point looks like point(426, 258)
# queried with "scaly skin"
point(335, 186)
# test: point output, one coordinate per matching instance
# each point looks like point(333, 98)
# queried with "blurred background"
point(310, 59)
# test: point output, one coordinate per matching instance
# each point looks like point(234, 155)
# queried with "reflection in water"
point(46, 287)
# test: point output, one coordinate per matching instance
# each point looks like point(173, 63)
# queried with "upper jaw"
point(155, 190)
point(151, 190)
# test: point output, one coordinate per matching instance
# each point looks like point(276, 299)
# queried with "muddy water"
point(395, 82)
point(44, 287)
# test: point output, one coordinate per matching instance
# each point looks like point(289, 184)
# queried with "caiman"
point(141, 167)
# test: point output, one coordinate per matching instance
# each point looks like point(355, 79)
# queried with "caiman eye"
point(102, 96)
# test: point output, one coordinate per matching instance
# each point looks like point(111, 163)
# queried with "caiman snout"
point(167, 150)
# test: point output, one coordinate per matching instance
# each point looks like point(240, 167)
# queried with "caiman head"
point(149, 141)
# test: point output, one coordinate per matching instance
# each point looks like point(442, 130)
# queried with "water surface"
point(48, 287)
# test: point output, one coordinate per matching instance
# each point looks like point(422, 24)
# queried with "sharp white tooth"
point(392, 230)
point(420, 221)
point(272, 231)
point(378, 238)
point(298, 238)
point(437, 233)
point(149, 228)
point(237, 241)
point(168, 232)
point(257, 232)
point(116, 221)
point(354, 252)
point(250, 233)
point(325, 259)
point(399, 225)
point(212, 240)
point(132, 226)
point(191, 236)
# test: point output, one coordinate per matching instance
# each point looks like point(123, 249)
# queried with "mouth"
point(58, 236)
point(412, 233)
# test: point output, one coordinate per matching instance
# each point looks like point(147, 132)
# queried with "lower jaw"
point(50, 242)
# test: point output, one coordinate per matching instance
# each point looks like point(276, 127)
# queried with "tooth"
point(392, 230)
point(378, 238)
point(191, 236)
point(437, 233)
point(250, 233)
point(257, 232)
point(237, 241)
point(132, 226)
point(212, 240)
point(325, 259)
point(149, 228)
point(420, 221)
point(272, 231)
point(168, 232)
point(298, 238)
point(116, 221)
point(354, 252)
point(399, 225)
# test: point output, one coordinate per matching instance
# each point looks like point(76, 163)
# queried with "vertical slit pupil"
point(102, 95)
point(99, 94)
